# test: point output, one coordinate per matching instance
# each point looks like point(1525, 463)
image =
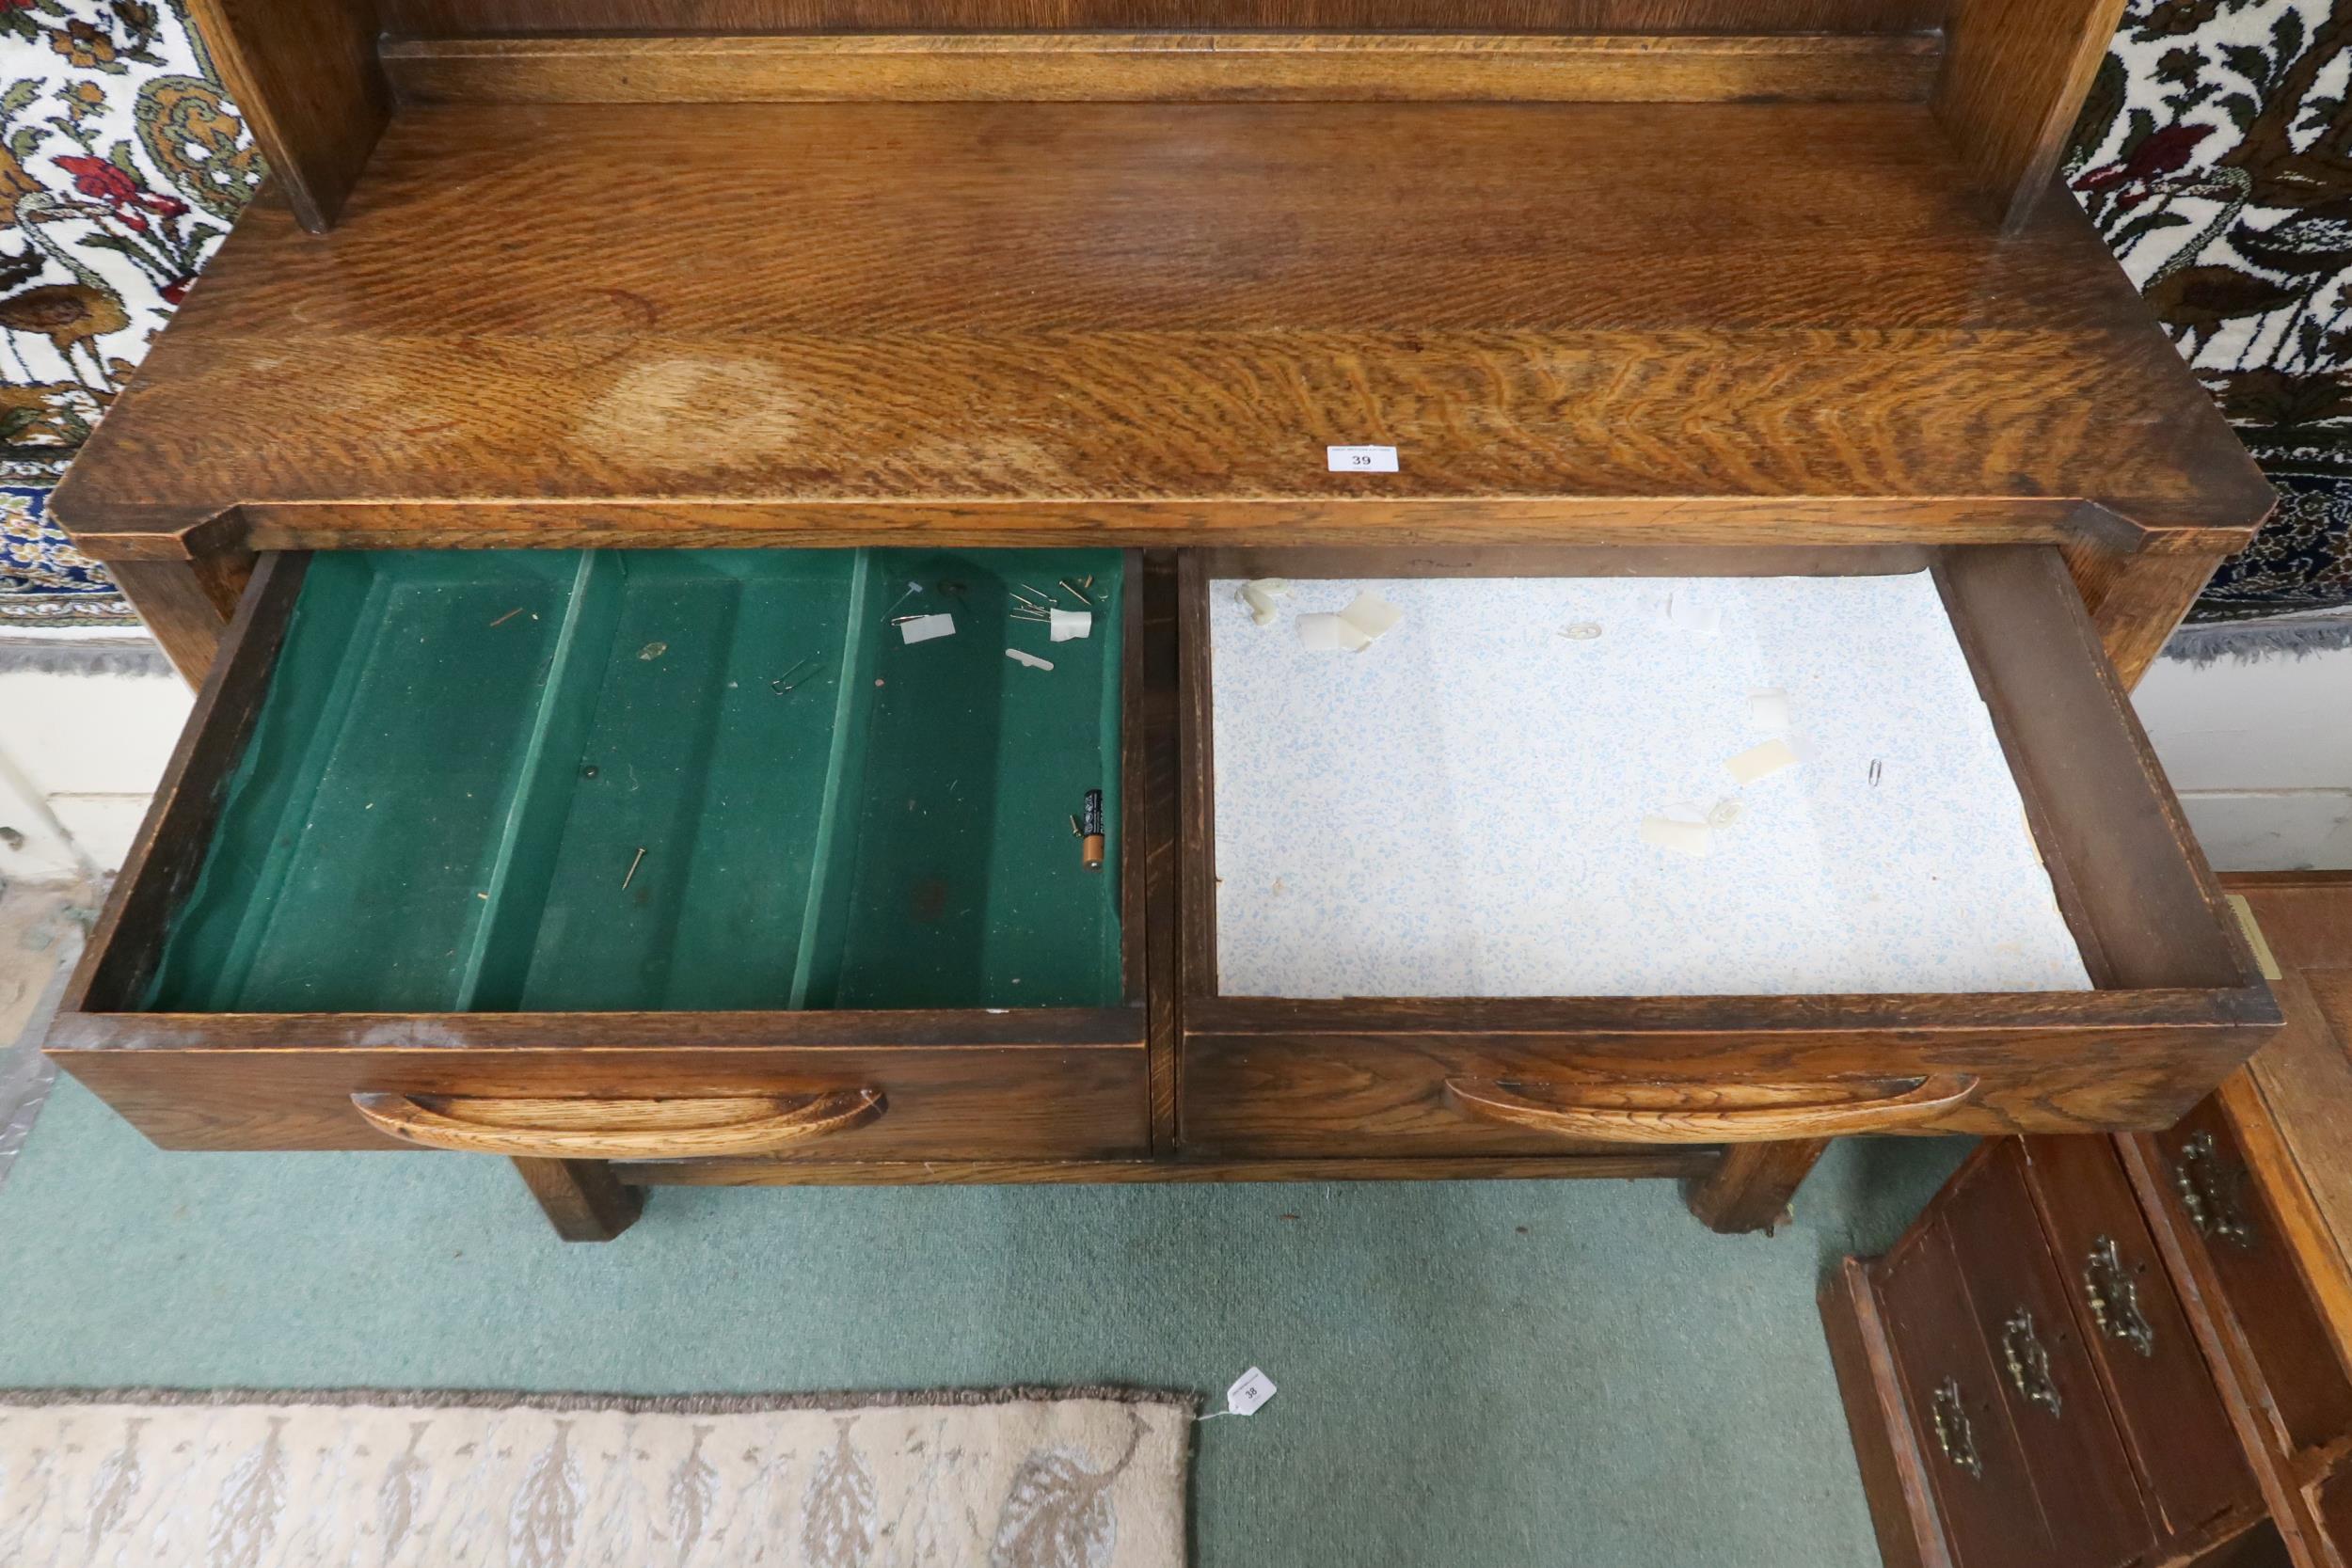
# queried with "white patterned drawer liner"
point(1456, 810)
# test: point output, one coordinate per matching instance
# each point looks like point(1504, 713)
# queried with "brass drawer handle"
point(2114, 1299)
point(2028, 1362)
point(1952, 1431)
point(1660, 1114)
point(2209, 1189)
point(618, 1128)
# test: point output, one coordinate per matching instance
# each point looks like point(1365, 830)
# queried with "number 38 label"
point(1361, 460)
point(1249, 1390)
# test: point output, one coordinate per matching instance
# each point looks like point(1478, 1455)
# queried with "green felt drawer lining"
point(462, 753)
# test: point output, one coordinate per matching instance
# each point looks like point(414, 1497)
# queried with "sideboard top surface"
point(1143, 322)
point(508, 18)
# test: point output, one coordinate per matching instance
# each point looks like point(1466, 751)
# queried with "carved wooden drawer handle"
point(1661, 1113)
point(618, 1128)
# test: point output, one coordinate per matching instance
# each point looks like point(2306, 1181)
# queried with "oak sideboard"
point(546, 478)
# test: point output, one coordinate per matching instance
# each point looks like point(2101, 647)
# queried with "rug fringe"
point(2250, 642)
point(672, 1404)
point(70, 658)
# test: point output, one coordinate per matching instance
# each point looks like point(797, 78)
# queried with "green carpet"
point(1471, 1374)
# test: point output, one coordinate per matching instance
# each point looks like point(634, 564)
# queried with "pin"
point(508, 616)
point(1089, 826)
point(1065, 583)
point(913, 589)
point(795, 675)
point(632, 868)
point(1039, 593)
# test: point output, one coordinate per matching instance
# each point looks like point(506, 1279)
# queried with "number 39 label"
point(1361, 460)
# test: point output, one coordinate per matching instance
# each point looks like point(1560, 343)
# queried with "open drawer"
point(1424, 913)
point(641, 854)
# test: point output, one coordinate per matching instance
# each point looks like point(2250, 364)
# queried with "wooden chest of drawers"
point(1648, 296)
point(2097, 1352)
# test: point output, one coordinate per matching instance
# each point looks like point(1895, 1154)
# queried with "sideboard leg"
point(185, 604)
point(584, 1199)
point(1750, 1188)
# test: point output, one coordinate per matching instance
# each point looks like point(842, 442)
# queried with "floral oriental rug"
point(121, 164)
point(1009, 1479)
point(2215, 154)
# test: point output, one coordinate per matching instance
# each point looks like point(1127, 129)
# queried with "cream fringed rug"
point(1014, 1479)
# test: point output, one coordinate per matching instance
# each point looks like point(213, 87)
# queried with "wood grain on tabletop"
point(1671, 322)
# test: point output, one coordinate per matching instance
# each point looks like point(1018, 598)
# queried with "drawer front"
point(1982, 1485)
point(962, 1102)
point(568, 838)
point(1510, 1089)
point(1303, 1056)
point(2162, 1392)
point(2069, 1438)
point(2227, 1215)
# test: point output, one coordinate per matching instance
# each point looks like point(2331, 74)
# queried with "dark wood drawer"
point(2229, 1218)
point(2073, 1452)
point(1982, 1484)
point(2179, 1436)
point(2175, 995)
point(679, 839)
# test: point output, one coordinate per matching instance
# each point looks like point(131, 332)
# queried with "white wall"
point(2261, 755)
point(79, 757)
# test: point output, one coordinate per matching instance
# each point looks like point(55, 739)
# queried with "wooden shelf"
point(1010, 323)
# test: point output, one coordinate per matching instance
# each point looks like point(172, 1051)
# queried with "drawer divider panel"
point(826, 919)
point(534, 818)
